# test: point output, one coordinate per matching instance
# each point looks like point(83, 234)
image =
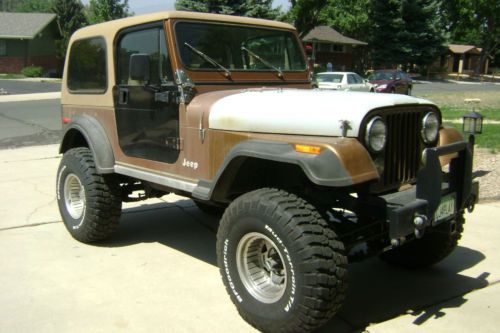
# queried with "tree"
point(473, 22)
point(70, 17)
point(387, 46)
point(34, 6)
point(306, 14)
point(107, 10)
point(250, 8)
point(351, 17)
point(26, 6)
point(422, 38)
point(8, 5)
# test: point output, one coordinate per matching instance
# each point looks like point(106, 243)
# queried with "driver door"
point(146, 105)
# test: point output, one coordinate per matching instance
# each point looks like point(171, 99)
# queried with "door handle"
point(123, 96)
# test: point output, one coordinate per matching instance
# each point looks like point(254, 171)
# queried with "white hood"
point(299, 111)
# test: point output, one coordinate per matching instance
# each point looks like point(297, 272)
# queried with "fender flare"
point(325, 169)
point(96, 138)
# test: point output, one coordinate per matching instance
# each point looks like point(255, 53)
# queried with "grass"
point(453, 107)
point(489, 139)
point(454, 112)
point(12, 76)
point(489, 99)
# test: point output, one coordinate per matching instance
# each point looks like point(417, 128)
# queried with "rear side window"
point(87, 66)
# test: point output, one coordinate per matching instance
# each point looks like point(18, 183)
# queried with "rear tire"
point(429, 250)
point(281, 264)
point(89, 202)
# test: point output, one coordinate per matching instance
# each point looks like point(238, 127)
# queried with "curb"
point(30, 97)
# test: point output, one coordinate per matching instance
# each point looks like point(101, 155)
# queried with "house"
point(326, 45)
point(27, 39)
point(463, 59)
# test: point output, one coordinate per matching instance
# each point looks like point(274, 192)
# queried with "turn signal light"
point(308, 149)
point(66, 120)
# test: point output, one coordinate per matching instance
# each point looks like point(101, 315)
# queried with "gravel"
point(487, 171)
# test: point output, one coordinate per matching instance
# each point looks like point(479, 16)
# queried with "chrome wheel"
point(74, 196)
point(261, 267)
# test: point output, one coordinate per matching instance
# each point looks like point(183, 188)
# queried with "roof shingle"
point(23, 25)
point(324, 33)
point(461, 49)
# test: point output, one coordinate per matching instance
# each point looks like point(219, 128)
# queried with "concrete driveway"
point(159, 272)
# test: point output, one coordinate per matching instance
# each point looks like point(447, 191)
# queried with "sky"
point(149, 6)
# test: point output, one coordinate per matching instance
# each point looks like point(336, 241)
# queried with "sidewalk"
point(159, 272)
point(29, 97)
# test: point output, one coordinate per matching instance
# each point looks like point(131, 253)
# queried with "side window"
point(351, 79)
point(152, 43)
point(358, 79)
point(87, 66)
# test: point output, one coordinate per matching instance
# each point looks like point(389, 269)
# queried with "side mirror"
point(139, 67)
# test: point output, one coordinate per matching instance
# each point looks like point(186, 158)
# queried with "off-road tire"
point(100, 215)
point(429, 250)
point(313, 259)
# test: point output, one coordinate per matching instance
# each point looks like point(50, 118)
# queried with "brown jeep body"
point(251, 137)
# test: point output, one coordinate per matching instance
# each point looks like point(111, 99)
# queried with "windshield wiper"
point(265, 62)
point(209, 59)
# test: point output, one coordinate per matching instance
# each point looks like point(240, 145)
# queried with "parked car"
point(391, 81)
point(342, 81)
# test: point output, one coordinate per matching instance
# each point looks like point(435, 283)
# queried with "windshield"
point(382, 76)
point(333, 78)
point(229, 46)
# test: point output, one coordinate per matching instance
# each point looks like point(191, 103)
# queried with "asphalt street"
point(30, 123)
point(26, 87)
point(424, 88)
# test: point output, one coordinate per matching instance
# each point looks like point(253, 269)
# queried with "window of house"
point(3, 47)
point(324, 47)
point(337, 48)
point(87, 66)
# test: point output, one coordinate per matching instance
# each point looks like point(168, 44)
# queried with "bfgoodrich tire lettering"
point(308, 261)
point(89, 203)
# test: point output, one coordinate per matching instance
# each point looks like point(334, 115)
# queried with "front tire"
point(432, 248)
point(283, 267)
point(89, 203)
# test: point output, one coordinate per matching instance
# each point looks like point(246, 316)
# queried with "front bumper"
point(411, 211)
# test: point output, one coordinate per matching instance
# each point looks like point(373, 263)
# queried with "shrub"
point(32, 71)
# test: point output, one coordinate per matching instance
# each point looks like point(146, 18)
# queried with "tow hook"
point(420, 222)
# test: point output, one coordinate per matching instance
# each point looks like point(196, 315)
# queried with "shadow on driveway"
point(377, 292)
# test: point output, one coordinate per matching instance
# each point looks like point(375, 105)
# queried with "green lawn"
point(490, 138)
point(455, 112)
point(12, 76)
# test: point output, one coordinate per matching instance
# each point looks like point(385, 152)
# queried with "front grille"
point(402, 156)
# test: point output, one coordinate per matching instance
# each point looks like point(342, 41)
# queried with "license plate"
point(446, 207)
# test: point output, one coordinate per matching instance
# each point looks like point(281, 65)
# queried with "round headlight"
point(430, 127)
point(375, 134)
